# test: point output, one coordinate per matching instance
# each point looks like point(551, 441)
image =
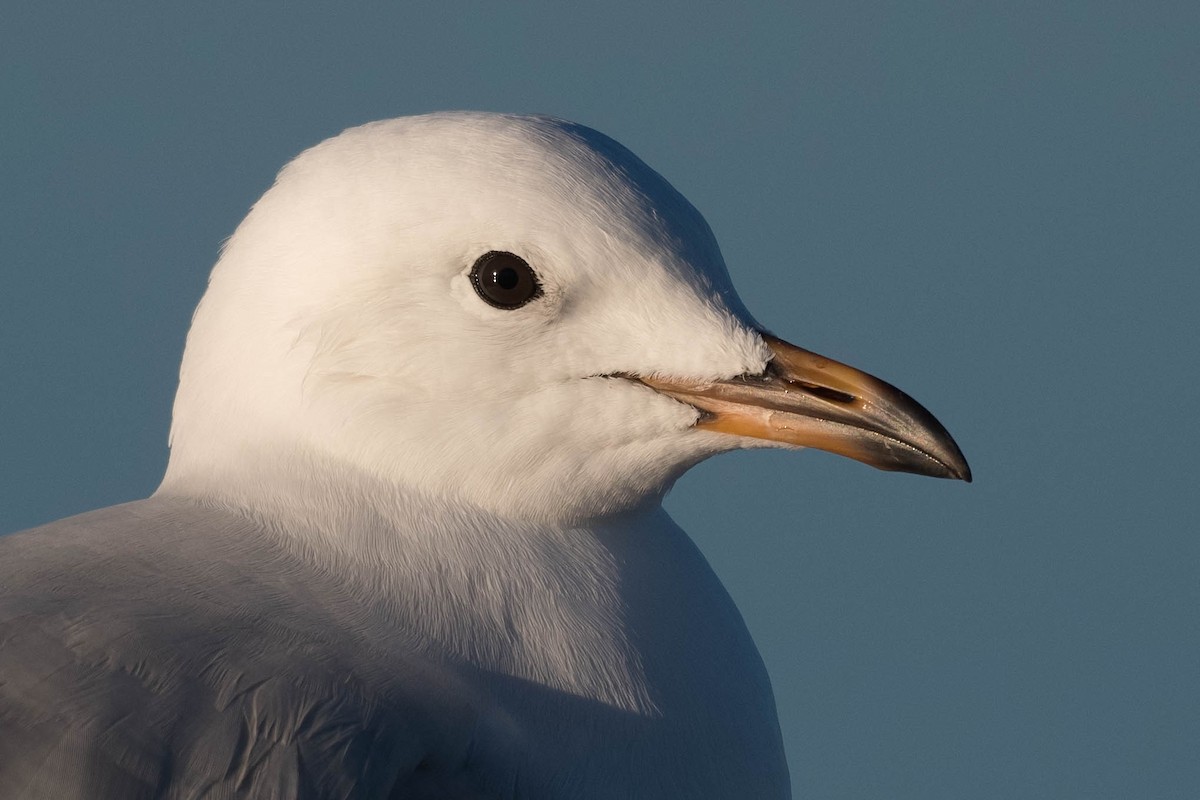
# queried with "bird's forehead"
point(535, 175)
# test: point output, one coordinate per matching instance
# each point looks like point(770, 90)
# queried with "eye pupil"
point(504, 280)
point(507, 278)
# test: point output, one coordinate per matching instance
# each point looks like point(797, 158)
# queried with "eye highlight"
point(504, 280)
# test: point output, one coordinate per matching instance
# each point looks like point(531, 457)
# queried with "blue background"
point(994, 206)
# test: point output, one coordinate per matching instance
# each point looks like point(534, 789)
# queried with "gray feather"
point(162, 650)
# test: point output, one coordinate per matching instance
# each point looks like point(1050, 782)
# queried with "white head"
point(342, 328)
point(341, 322)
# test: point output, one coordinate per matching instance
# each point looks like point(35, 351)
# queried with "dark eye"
point(504, 280)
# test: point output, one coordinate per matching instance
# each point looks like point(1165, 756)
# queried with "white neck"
point(524, 600)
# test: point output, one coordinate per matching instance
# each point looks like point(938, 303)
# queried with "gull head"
point(513, 313)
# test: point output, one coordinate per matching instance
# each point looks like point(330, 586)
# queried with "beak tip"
point(957, 467)
point(951, 469)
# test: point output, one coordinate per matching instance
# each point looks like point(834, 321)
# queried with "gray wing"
point(161, 650)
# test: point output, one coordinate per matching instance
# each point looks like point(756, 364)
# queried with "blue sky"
point(992, 206)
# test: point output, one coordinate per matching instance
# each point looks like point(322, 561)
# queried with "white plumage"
point(410, 544)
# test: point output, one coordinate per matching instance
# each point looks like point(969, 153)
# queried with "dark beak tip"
point(948, 470)
point(957, 467)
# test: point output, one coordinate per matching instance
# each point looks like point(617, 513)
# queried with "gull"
point(410, 542)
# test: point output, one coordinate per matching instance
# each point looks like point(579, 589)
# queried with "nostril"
point(775, 372)
point(824, 392)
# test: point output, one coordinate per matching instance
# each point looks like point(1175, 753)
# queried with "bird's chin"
point(615, 480)
point(614, 469)
point(643, 481)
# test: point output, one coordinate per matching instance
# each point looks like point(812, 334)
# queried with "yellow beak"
point(812, 401)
